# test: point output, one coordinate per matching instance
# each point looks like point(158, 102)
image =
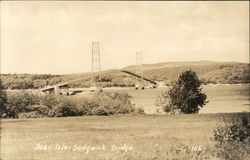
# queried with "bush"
point(3, 99)
point(115, 103)
point(101, 111)
point(185, 95)
point(163, 101)
point(50, 100)
point(19, 102)
point(39, 109)
point(138, 111)
point(67, 107)
point(26, 104)
point(100, 104)
point(233, 132)
point(32, 114)
point(233, 140)
point(87, 106)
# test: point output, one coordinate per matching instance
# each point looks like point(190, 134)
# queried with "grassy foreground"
point(114, 137)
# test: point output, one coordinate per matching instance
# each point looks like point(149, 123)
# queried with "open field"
point(148, 135)
point(222, 98)
point(142, 135)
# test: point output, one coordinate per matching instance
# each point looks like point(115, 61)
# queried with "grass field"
point(149, 135)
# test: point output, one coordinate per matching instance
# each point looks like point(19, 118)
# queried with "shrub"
point(67, 107)
point(35, 111)
point(232, 132)
point(233, 140)
point(100, 111)
point(99, 104)
point(138, 111)
point(39, 109)
point(115, 103)
point(185, 95)
point(18, 102)
point(29, 105)
point(32, 114)
point(163, 101)
point(87, 105)
point(3, 99)
point(50, 100)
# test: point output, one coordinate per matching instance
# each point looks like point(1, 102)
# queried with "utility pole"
point(96, 63)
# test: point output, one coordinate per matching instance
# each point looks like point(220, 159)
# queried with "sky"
point(56, 37)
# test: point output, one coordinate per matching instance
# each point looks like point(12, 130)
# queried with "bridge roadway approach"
point(58, 88)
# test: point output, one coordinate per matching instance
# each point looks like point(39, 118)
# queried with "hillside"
point(208, 72)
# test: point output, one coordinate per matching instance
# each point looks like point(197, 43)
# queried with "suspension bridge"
point(63, 88)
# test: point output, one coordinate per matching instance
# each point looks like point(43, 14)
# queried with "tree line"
point(29, 81)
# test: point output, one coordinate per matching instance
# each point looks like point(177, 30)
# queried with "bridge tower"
point(139, 70)
point(96, 65)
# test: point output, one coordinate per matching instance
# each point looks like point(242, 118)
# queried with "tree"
point(185, 95)
point(3, 99)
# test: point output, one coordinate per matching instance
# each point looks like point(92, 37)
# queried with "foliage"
point(185, 95)
point(139, 111)
point(66, 107)
point(19, 102)
point(233, 132)
point(3, 99)
point(233, 140)
point(29, 81)
point(210, 72)
point(163, 101)
point(50, 100)
point(39, 110)
point(27, 104)
point(115, 103)
point(32, 114)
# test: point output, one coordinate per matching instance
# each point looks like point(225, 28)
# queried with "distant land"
point(208, 71)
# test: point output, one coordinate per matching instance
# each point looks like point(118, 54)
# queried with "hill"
point(167, 72)
point(208, 71)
